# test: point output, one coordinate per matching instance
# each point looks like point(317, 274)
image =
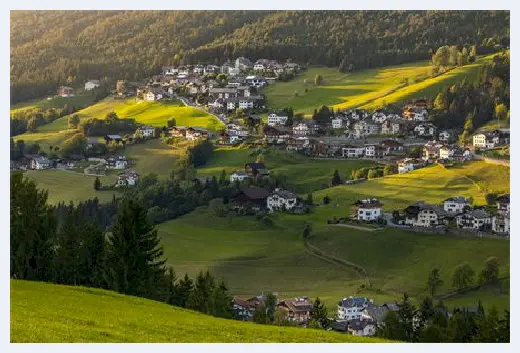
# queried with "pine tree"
point(134, 262)
point(406, 315)
point(221, 302)
point(32, 230)
point(434, 281)
point(184, 289)
point(319, 313)
point(97, 184)
point(200, 296)
point(171, 289)
point(336, 180)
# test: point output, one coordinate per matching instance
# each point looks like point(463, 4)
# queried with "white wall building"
point(281, 200)
point(368, 209)
point(91, 84)
point(275, 120)
point(456, 204)
point(474, 219)
point(239, 175)
point(350, 308)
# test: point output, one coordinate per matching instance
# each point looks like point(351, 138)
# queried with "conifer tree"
point(134, 263)
point(184, 288)
point(319, 313)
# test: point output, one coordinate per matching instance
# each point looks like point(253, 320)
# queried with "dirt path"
point(358, 227)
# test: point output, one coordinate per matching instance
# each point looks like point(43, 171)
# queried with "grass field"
point(81, 100)
point(42, 313)
point(303, 174)
point(367, 89)
point(490, 178)
point(431, 184)
point(150, 113)
point(45, 139)
point(70, 186)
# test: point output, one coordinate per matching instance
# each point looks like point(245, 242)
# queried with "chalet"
point(297, 309)
point(276, 135)
point(240, 102)
point(281, 200)
point(250, 198)
point(474, 219)
point(358, 327)
point(502, 203)
point(243, 309)
point(377, 313)
point(304, 129)
point(425, 130)
point(456, 204)
point(39, 163)
point(431, 150)
point(454, 153)
point(500, 223)
point(224, 93)
point(408, 164)
point(243, 64)
point(444, 136)
point(350, 151)
point(486, 139)
point(127, 178)
point(256, 169)
point(193, 133)
point(390, 146)
point(145, 131)
point(256, 81)
point(238, 131)
point(415, 113)
point(368, 209)
point(65, 91)
point(259, 67)
point(351, 308)
point(119, 162)
point(91, 84)
point(226, 139)
point(421, 214)
point(365, 128)
point(238, 176)
point(297, 143)
point(275, 119)
point(391, 127)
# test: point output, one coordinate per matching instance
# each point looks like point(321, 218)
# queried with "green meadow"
point(81, 100)
point(45, 313)
point(368, 89)
point(303, 174)
point(150, 113)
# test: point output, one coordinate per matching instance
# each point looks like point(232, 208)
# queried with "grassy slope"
point(303, 174)
point(367, 89)
point(70, 186)
point(55, 102)
point(151, 113)
point(50, 313)
point(153, 156)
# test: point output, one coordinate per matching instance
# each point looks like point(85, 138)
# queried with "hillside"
point(366, 89)
point(42, 313)
point(73, 46)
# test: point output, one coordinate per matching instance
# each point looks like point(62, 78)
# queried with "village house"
point(238, 175)
point(379, 117)
point(237, 130)
point(119, 162)
point(256, 169)
point(145, 131)
point(377, 313)
point(244, 91)
point(153, 94)
point(408, 164)
point(127, 178)
point(250, 198)
point(297, 143)
point(256, 81)
point(365, 128)
point(414, 112)
point(425, 130)
point(65, 91)
point(431, 150)
point(486, 140)
point(225, 93)
point(304, 129)
point(502, 203)
point(368, 209)
point(421, 214)
point(177, 131)
point(473, 219)
point(170, 70)
point(194, 133)
point(500, 223)
point(243, 64)
point(456, 204)
point(91, 84)
point(275, 119)
point(297, 309)
point(244, 309)
point(444, 136)
point(276, 135)
point(391, 127)
point(281, 200)
point(338, 123)
point(227, 139)
point(40, 163)
point(350, 308)
point(350, 151)
point(358, 327)
point(211, 69)
point(454, 153)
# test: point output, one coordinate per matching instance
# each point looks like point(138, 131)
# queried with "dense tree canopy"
point(51, 48)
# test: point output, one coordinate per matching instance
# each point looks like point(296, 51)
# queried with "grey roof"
point(377, 313)
point(358, 324)
point(478, 214)
point(223, 90)
point(457, 199)
point(355, 302)
point(285, 194)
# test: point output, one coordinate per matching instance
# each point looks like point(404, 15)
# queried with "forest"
point(51, 48)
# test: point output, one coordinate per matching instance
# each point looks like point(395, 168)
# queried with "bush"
point(267, 221)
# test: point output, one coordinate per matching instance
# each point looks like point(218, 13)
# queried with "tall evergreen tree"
point(336, 180)
point(134, 263)
point(32, 229)
point(183, 290)
point(319, 313)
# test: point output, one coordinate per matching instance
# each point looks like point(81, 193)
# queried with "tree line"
point(49, 49)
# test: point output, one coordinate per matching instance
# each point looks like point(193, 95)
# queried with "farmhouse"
point(119, 162)
point(368, 209)
point(350, 151)
point(238, 176)
point(297, 310)
point(297, 144)
point(425, 130)
point(254, 169)
point(145, 131)
point(473, 219)
point(500, 223)
point(391, 146)
point(39, 163)
point(275, 119)
point(408, 164)
point(91, 84)
point(431, 150)
point(245, 308)
point(358, 327)
point(224, 93)
point(281, 200)
point(253, 198)
point(422, 214)
point(378, 313)
point(350, 308)
point(486, 140)
point(456, 204)
point(127, 178)
point(65, 91)
point(304, 129)
point(502, 203)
